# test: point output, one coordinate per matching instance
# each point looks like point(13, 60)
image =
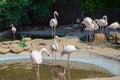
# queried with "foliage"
point(41, 10)
point(23, 12)
point(23, 43)
point(17, 11)
point(95, 5)
point(13, 11)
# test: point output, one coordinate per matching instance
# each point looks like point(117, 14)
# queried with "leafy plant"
point(23, 43)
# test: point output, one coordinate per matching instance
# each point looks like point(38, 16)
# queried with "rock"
point(6, 42)
point(15, 48)
point(4, 50)
point(100, 38)
point(16, 42)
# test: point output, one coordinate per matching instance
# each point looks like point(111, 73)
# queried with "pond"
point(24, 71)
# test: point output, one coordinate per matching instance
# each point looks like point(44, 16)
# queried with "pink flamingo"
point(90, 26)
point(114, 26)
point(36, 58)
point(54, 23)
point(68, 49)
point(102, 23)
point(13, 28)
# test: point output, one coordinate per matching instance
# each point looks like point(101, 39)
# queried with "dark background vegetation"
point(30, 13)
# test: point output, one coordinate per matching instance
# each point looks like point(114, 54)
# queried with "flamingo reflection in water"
point(36, 58)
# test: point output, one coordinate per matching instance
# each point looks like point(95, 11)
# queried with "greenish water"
point(24, 71)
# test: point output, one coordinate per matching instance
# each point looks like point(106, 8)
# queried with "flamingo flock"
point(36, 56)
point(91, 26)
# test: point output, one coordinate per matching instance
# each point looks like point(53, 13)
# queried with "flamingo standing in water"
point(68, 49)
point(54, 48)
point(114, 26)
point(54, 23)
point(13, 28)
point(36, 58)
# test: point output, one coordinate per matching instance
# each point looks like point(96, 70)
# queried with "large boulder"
point(100, 38)
point(4, 47)
point(15, 47)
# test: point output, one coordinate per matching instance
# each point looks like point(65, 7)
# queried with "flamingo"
point(102, 22)
point(114, 26)
point(90, 26)
point(54, 23)
point(54, 48)
point(36, 58)
point(68, 49)
point(13, 28)
point(93, 26)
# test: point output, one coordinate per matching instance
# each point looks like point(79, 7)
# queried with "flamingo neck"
point(56, 43)
point(55, 16)
point(43, 49)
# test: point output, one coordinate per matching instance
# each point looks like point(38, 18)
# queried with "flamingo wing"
point(68, 49)
point(36, 57)
point(54, 46)
point(53, 22)
point(113, 25)
point(87, 21)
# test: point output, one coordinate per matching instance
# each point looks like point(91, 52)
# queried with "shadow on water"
point(24, 71)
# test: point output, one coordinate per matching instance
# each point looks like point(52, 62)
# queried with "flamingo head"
point(105, 17)
point(56, 13)
point(45, 50)
point(11, 25)
point(57, 38)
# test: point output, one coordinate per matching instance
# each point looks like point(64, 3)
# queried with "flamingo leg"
point(36, 68)
point(87, 39)
point(68, 62)
point(114, 36)
point(102, 29)
point(13, 35)
point(54, 31)
point(55, 61)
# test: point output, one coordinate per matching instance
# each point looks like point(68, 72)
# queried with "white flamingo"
point(102, 23)
point(54, 48)
point(68, 49)
point(54, 23)
point(36, 58)
point(114, 26)
point(13, 28)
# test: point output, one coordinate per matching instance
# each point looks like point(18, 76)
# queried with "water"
point(24, 71)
